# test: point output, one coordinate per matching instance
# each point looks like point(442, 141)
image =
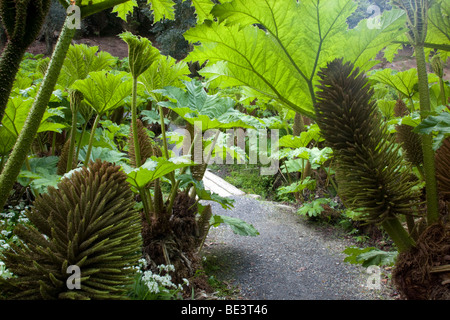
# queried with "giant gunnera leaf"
point(276, 47)
point(104, 91)
point(195, 105)
point(88, 222)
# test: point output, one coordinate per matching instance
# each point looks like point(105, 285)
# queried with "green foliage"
point(164, 72)
point(315, 207)
point(104, 91)
point(195, 104)
point(269, 61)
point(370, 256)
point(439, 26)
point(89, 221)
point(141, 53)
point(249, 180)
point(404, 82)
point(154, 168)
point(238, 226)
point(80, 61)
point(298, 186)
point(16, 113)
point(39, 174)
point(439, 125)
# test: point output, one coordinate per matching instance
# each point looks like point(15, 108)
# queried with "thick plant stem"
point(73, 131)
point(173, 191)
point(164, 139)
point(163, 132)
point(30, 128)
point(22, 21)
point(145, 194)
point(398, 234)
point(91, 140)
point(427, 140)
point(137, 149)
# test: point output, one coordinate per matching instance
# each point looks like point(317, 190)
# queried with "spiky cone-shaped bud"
point(400, 109)
point(369, 165)
point(199, 170)
point(411, 142)
point(145, 144)
point(437, 65)
point(89, 222)
point(203, 224)
point(75, 100)
point(443, 169)
point(63, 158)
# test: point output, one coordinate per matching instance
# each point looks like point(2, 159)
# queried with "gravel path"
point(291, 259)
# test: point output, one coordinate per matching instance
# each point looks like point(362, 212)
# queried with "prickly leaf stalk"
point(417, 23)
point(22, 20)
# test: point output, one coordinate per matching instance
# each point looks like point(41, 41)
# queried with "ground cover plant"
point(356, 142)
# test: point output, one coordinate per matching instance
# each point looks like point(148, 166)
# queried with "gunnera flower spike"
point(370, 171)
point(88, 223)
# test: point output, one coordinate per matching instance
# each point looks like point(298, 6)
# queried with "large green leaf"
point(80, 60)
point(125, 9)
point(154, 168)
point(439, 25)
point(163, 73)
point(16, 114)
point(298, 186)
point(238, 226)
point(248, 57)
point(281, 62)
point(439, 124)
point(141, 53)
point(7, 141)
point(162, 9)
point(405, 82)
point(43, 173)
point(361, 44)
point(104, 154)
point(203, 9)
point(370, 256)
point(290, 141)
point(104, 91)
point(195, 104)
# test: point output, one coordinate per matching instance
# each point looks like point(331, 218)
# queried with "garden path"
point(291, 259)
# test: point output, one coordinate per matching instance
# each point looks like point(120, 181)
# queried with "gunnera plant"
point(88, 221)
point(145, 144)
point(370, 171)
point(442, 169)
point(372, 175)
point(411, 142)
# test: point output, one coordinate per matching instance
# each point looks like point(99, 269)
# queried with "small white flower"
point(6, 233)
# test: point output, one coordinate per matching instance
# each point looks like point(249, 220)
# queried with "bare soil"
point(112, 44)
